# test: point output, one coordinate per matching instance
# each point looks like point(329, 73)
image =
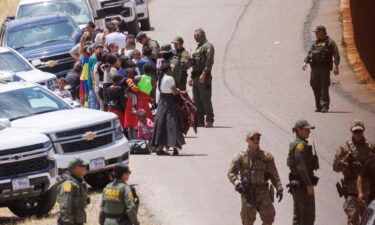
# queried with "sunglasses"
point(358, 131)
point(254, 139)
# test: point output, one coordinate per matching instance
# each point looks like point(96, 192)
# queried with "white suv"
point(92, 135)
point(12, 61)
point(27, 172)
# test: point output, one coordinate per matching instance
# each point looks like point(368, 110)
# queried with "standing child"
point(116, 99)
point(85, 88)
point(145, 126)
point(61, 91)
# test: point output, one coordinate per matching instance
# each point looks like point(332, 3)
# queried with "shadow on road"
point(11, 220)
point(339, 112)
point(188, 155)
point(222, 127)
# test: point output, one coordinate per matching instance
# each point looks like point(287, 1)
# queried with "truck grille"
point(21, 149)
point(80, 131)
point(65, 63)
point(109, 3)
point(25, 166)
point(83, 145)
point(116, 11)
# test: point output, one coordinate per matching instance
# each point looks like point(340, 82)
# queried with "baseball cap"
point(76, 162)
point(357, 125)
point(140, 35)
point(253, 133)
point(178, 40)
point(320, 28)
point(303, 124)
point(165, 49)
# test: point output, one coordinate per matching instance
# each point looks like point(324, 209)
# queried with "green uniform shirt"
point(72, 199)
point(321, 53)
point(154, 45)
point(185, 59)
point(118, 200)
point(175, 65)
point(203, 57)
point(300, 160)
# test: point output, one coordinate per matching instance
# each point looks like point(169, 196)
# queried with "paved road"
point(258, 84)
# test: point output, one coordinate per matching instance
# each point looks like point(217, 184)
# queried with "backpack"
point(139, 146)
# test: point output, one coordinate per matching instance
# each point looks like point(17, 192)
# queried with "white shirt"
point(116, 37)
point(166, 85)
point(63, 93)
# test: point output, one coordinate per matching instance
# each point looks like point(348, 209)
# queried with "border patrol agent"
point(148, 42)
point(185, 60)
point(173, 61)
point(320, 59)
point(349, 159)
point(302, 162)
point(255, 167)
point(120, 202)
point(72, 194)
point(201, 79)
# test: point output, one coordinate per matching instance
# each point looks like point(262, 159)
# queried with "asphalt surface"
point(257, 84)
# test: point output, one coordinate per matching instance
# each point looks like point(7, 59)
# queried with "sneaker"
point(318, 110)
point(324, 110)
point(209, 124)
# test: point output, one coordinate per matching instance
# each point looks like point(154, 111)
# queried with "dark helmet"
point(120, 169)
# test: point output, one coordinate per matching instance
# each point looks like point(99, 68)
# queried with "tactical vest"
point(255, 170)
point(321, 52)
point(114, 198)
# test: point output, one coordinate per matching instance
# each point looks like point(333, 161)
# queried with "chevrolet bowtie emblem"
point(51, 63)
point(89, 136)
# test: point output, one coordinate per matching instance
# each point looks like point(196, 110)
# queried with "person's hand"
point(310, 190)
point(240, 188)
point(304, 67)
point(202, 78)
point(336, 70)
point(279, 195)
point(190, 82)
point(361, 198)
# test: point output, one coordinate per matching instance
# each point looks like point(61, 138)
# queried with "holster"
point(315, 180)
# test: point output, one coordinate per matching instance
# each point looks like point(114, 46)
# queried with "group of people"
point(112, 75)
point(253, 168)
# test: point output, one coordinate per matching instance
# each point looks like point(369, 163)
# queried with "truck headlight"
point(118, 129)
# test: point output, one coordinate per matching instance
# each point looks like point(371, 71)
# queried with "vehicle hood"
point(62, 120)
point(48, 49)
point(14, 138)
point(36, 75)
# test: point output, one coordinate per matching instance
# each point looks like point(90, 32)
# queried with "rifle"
point(250, 190)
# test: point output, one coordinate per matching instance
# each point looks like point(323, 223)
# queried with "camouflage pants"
point(263, 206)
point(353, 210)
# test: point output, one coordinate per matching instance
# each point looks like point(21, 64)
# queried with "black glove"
point(292, 186)
point(240, 188)
point(279, 195)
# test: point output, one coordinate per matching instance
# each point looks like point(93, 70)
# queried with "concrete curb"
point(352, 55)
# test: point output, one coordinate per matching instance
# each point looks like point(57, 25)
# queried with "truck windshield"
point(40, 34)
point(27, 102)
point(12, 62)
point(77, 9)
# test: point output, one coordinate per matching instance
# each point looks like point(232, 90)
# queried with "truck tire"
point(145, 24)
point(133, 27)
point(35, 207)
point(98, 180)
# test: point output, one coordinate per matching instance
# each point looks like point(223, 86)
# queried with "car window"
point(29, 101)
point(78, 9)
point(43, 33)
point(12, 62)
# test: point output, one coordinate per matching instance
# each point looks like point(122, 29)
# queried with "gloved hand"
point(293, 185)
point(240, 188)
point(279, 195)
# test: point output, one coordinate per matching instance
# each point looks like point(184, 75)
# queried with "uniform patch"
point(300, 147)
point(173, 65)
point(67, 187)
point(185, 54)
point(209, 50)
point(198, 50)
point(130, 195)
point(112, 194)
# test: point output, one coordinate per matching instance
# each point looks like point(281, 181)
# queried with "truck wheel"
point(145, 24)
point(98, 180)
point(133, 27)
point(38, 207)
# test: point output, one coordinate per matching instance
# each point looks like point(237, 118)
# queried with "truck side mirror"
point(5, 122)
point(100, 14)
point(10, 18)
